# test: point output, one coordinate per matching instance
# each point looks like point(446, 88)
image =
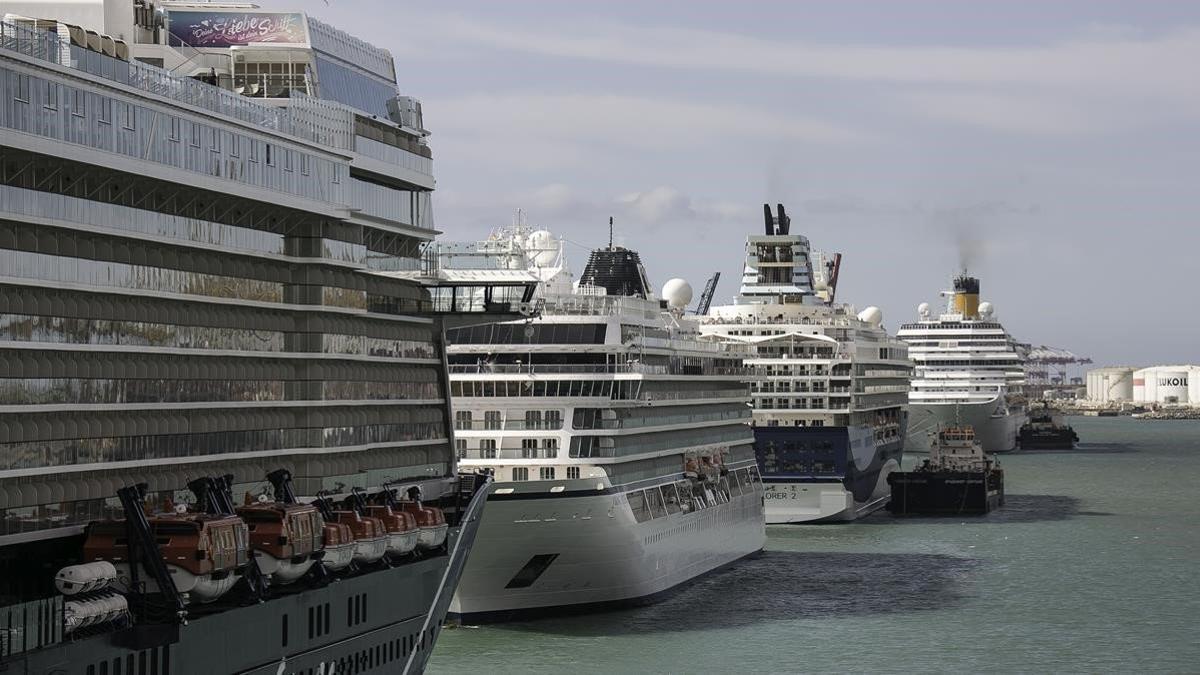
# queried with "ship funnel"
point(966, 296)
point(785, 223)
point(768, 220)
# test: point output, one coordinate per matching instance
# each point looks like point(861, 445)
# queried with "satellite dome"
point(923, 309)
point(872, 315)
point(677, 293)
point(986, 309)
point(541, 248)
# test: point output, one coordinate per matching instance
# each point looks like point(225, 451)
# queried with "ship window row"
point(55, 110)
point(615, 390)
point(538, 333)
point(801, 457)
point(197, 365)
point(57, 391)
point(44, 267)
point(625, 446)
point(609, 418)
point(62, 330)
point(488, 448)
point(42, 454)
point(65, 269)
point(539, 420)
point(686, 496)
point(27, 202)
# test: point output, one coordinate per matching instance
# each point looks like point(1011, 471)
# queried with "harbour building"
point(200, 229)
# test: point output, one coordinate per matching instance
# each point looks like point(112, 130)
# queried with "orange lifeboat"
point(432, 524)
point(204, 553)
point(286, 538)
point(370, 535)
point(339, 546)
point(401, 526)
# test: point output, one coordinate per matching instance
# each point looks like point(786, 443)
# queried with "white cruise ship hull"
point(995, 426)
point(574, 553)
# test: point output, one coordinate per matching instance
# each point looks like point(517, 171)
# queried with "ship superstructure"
point(197, 291)
point(828, 383)
point(966, 369)
point(619, 440)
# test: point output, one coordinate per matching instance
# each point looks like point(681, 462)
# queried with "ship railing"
point(50, 47)
point(599, 368)
point(30, 625)
point(688, 395)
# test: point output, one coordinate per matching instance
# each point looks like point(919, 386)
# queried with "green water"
point(1090, 567)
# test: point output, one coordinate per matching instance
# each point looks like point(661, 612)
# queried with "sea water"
point(1093, 565)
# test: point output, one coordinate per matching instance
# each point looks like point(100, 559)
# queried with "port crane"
point(706, 297)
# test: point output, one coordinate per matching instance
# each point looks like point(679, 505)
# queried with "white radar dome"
point(872, 315)
point(923, 309)
point(677, 293)
point(542, 248)
point(986, 309)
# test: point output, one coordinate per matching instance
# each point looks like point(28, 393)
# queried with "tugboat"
point(957, 479)
point(1046, 431)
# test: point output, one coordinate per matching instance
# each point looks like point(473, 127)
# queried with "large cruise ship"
point(966, 368)
point(619, 440)
point(829, 384)
point(216, 394)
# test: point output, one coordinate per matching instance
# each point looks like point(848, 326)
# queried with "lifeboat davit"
point(432, 524)
point(401, 526)
point(204, 553)
point(339, 546)
point(286, 538)
point(370, 536)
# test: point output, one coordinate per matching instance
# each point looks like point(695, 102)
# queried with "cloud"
point(1093, 57)
point(547, 120)
point(659, 205)
point(1092, 80)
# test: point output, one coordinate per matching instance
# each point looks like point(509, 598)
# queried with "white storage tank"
point(1110, 385)
point(1164, 385)
point(1194, 387)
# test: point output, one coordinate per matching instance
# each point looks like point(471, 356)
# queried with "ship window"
point(22, 94)
point(487, 448)
point(462, 419)
point(520, 473)
point(546, 473)
point(670, 497)
point(491, 418)
point(637, 503)
point(79, 109)
point(460, 445)
point(130, 121)
point(173, 133)
point(195, 143)
point(572, 472)
point(654, 501)
point(51, 101)
point(528, 448)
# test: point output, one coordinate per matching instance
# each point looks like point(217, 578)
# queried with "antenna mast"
point(610, 231)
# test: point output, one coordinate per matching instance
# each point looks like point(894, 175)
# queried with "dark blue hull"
point(805, 468)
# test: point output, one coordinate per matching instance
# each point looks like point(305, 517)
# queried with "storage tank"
point(1167, 385)
point(1194, 387)
point(1110, 385)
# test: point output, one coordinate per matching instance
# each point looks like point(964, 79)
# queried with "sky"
point(1052, 148)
